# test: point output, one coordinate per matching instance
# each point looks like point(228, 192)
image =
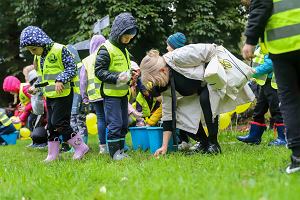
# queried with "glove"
point(123, 79)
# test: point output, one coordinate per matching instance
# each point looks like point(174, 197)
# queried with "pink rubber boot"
point(80, 147)
point(53, 151)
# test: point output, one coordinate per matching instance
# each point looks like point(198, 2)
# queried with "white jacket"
point(190, 61)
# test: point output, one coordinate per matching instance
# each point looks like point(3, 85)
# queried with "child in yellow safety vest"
point(113, 69)
point(267, 100)
point(56, 70)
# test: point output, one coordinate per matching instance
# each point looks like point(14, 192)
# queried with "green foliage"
point(71, 21)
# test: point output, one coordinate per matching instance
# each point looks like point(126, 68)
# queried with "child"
point(267, 100)
point(113, 69)
point(6, 127)
point(14, 86)
point(56, 67)
point(90, 89)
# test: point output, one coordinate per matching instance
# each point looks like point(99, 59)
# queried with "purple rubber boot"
point(80, 147)
point(53, 151)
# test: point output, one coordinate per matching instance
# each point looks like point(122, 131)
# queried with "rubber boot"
point(53, 151)
point(79, 146)
point(114, 148)
point(124, 147)
point(281, 140)
point(254, 136)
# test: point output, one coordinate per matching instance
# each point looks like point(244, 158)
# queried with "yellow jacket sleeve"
point(155, 117)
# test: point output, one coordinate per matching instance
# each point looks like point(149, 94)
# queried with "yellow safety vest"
point(145, 107)
point(52, 67)
point(4, 119)
point(94, 84)
point(22, 96)
point(282, 33)
point(118, 63)
point(76, 80)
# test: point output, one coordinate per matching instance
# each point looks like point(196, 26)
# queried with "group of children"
point(120, 93)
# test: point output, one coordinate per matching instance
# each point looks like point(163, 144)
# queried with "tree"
point(71, 21)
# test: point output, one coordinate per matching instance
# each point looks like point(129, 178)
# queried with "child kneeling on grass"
point(56, 67)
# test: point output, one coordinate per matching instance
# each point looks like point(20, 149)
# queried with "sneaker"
point(294, 166)
point(103, 149)
point(193, 148)
point(41, 146)
point(213, 149)
point(65, 147)
point(184, 146)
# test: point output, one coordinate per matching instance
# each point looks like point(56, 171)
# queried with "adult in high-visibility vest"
point(6, 126)
point(277, 23)
point(267, 100)
point(112, 68)
point(90, 89)
point(55, 66)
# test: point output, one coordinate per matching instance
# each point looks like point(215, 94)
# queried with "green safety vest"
point(93, 88)
point(282, 32)
point(145, 107)
point(22, 96)
point(53, 66)
point(4, 119)
point(118, 63)
point(76, 80)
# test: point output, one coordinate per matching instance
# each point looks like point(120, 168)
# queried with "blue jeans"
point(116, 116)
point(99, 108)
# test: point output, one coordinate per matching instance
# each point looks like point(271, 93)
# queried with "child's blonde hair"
point(151, 66)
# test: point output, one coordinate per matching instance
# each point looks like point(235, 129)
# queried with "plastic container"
point(155, 135)
point(139, 137)
point(11, 138)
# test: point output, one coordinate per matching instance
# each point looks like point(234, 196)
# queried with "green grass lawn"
point(241, 172)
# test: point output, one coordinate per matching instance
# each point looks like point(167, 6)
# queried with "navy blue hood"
point(122, 23)
point(34, 36)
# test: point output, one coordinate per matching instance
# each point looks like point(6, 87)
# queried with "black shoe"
point(213, 149)
point(65, 147)
point(294, 166)
point(197, 148)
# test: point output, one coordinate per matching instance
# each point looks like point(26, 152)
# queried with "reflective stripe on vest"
point(4, 119)
point(52, 67)
point(76, 80)
point(22, 96)
point(273, 82)
point(118, 63)
point(282, 33)
point(258, 60)
point(94, 84)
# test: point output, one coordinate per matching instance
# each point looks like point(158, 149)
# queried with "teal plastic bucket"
point(11, 138)
point(139, 138)
point(155, 135)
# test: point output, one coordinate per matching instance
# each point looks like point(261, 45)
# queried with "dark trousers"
point(212, 124)
point(287, 73)
point(59, 115)
point(116, 117)
point(99, 108)
point(7, 129)
point(267, 99)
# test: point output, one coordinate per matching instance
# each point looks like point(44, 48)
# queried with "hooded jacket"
point(34, 36)
point(122, 23)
